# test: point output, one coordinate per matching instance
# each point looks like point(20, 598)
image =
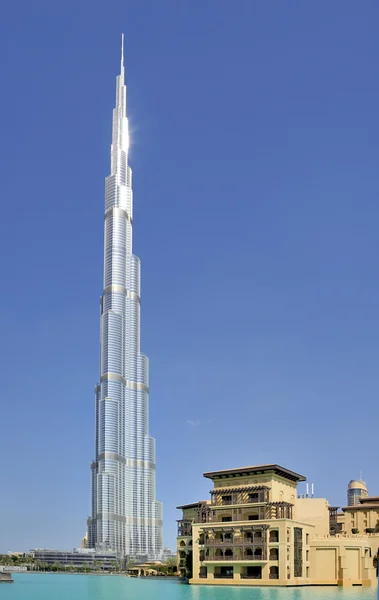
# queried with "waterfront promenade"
point(91, 587)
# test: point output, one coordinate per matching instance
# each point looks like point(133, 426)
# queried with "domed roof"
point(357, 484)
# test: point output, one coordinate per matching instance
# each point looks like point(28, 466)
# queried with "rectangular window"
point(226, 519)
point(254, 497)
point(298, 551)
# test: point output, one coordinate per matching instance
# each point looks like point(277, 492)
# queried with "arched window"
point(274, 536)
point(274, 573)
point(274, 553)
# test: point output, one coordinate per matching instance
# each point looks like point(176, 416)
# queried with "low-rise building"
point(78, 557)
point(360, 518)
point(255, 530)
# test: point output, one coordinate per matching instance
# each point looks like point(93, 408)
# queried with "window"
point(274, 573)
point(226, 499)
point(307, 555)
point(253, 517)
point(307, 539)
point(298, 551)
point(307, 571)
point(226, 519)
point(274, 536)
point(274, 553)
point(254, 497)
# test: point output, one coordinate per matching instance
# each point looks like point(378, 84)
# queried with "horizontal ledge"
point(120, 289)
point(131, 385)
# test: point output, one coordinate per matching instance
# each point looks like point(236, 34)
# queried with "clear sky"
point(255, 147)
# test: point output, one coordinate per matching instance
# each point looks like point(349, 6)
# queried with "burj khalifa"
point(125, 515)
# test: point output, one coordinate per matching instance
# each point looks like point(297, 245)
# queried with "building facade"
point(125, 515)
point(356, 490)
point(360, 518)
point(255, 530)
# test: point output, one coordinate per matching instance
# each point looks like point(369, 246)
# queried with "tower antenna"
point(122, 52)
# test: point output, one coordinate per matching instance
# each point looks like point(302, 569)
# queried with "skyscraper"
point(125, 515)
point(356, 490)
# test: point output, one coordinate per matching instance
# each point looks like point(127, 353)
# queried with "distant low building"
point(168, 553)
point(255, 530)
point(76, 557)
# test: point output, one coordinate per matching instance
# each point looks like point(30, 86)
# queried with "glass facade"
point(125, 515)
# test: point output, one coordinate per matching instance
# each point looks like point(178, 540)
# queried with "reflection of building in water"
point(256, 530)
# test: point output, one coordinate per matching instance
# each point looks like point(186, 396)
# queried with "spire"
point(122, 68)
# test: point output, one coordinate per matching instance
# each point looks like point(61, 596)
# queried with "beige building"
point(360, 518)
point(256, 531)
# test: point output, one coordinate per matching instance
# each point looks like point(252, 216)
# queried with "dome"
point(357, 484)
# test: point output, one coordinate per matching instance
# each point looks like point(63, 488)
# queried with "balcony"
point(247, 494)
point(184, 528)
point(249, 554)
point(223, 575)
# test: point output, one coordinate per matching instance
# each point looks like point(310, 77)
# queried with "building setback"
point(125, 515)
point(256, 530)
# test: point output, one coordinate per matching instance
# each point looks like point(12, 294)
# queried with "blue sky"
point(255, 146)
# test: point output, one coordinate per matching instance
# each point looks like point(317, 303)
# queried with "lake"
point(108, 587)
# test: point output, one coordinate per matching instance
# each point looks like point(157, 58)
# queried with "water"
point(92, 587)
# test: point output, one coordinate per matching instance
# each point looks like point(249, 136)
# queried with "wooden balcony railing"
point(236, 558)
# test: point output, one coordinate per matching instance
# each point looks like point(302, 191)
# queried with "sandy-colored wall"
point(323, 564)
point(345, 560)
point(314, 511)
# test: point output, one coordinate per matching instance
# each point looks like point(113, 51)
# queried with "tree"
point(171, 564)
point(86, 567)
point(115, 566)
